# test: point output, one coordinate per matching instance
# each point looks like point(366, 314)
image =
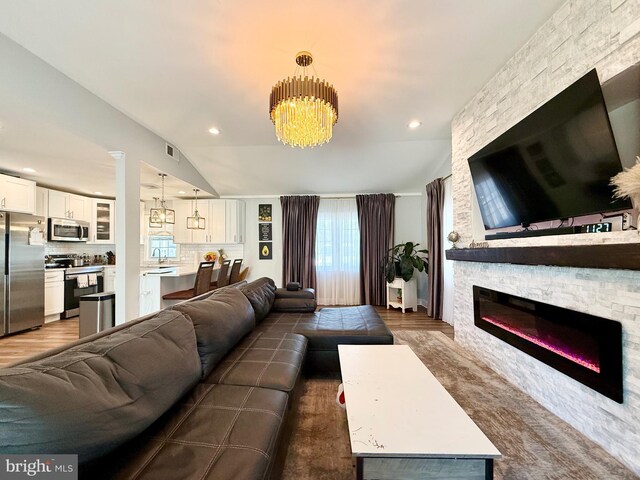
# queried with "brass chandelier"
point(303, 109)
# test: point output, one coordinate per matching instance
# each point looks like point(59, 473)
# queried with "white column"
point(127, 237)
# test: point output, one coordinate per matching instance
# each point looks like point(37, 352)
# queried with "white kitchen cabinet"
point(17, 194)
point(181, 234)
point(235, 221)
point(200, 235)
point(217, 221)
point(69, 205)
point(102, 225)
point(207, 209)
point(225, 222)
point(42, 202)
point(109, 278)
point(58, 204)
point(80, 207)
point(150, 294)
point(53, 292)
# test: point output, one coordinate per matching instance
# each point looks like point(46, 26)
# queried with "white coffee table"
point(403, 424)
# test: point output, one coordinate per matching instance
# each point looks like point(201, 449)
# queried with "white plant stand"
point(409, 294)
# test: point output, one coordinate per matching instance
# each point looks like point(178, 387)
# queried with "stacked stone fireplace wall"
point(581, 35)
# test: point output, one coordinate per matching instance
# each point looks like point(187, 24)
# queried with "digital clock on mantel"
point(601, 227)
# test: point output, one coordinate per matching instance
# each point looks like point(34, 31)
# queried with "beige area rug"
point(535, 444)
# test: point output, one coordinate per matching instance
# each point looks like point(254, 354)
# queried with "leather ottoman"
point(303, 300)
point(328, 328)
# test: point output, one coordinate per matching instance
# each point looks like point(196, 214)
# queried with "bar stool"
point(223, 276)
point(235, 271)
point(201, 285)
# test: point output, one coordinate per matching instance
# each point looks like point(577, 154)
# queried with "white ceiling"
point(180, 68)
point(68, 162)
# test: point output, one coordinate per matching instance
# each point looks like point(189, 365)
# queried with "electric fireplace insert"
point(584, 347)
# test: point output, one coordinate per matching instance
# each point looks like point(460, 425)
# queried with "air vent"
point(173, 152)
point(150, 186)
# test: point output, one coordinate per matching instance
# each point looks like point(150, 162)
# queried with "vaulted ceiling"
point(180, 68)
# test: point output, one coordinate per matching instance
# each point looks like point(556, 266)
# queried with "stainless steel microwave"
point(67, 230)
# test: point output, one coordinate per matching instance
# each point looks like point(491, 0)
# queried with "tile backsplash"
point(193, 254)
point(189, 254)
point(60, 248)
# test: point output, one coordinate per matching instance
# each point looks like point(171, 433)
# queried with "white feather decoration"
point(627, 184)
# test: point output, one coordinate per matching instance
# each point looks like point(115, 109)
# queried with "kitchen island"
point(158, 281)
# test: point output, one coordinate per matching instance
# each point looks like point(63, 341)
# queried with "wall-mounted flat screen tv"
point(557, 163)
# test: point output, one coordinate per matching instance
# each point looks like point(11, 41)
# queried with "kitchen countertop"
point(164, 271)
point(169, 272)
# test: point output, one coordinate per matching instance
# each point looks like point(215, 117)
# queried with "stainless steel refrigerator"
point(21, 272)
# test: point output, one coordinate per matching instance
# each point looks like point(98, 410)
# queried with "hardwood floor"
point(55, 334)
point(50, 335)
point(394, 318)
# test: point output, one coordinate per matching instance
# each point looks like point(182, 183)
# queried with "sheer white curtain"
point(338, 253)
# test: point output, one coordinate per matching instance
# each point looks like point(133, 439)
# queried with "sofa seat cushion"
point(261, 293)
point(263, 360)
point(283, 322)
point(220, 322)
point(95, 396)
point(330, 327)
point(216, 432)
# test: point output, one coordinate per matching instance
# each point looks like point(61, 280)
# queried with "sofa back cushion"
point(261, 293)
point(220, 322)
point(93, 397)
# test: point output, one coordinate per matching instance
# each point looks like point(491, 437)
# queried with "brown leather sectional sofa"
point(201, 390)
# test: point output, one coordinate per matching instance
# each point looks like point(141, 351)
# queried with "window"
point(338, 252)
point(162, 247)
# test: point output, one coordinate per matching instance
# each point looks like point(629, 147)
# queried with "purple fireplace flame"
point(584, 347)
point(564, 350)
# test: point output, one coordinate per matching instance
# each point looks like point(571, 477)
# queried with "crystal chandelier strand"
point(303, 109)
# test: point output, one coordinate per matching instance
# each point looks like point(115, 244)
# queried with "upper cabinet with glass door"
point(102, 228)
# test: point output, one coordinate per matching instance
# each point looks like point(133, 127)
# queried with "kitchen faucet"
point(160, 259)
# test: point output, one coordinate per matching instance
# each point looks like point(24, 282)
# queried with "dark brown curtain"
point(435, 201)
point(299, 219)
point(375, 217)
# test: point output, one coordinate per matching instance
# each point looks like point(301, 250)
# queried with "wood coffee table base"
point(378, 468)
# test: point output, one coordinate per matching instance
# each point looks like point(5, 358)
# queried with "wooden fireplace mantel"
point(621, 256)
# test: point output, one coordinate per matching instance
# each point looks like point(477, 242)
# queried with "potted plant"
point(402, 260)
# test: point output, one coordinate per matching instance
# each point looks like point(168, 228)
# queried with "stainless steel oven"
point(78, 282)
point(66, 230)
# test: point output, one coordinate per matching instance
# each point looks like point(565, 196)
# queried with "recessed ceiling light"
point(98, 193)
point(28, 170)
point(214, 131)
point(182, 192)
point(413, 124)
